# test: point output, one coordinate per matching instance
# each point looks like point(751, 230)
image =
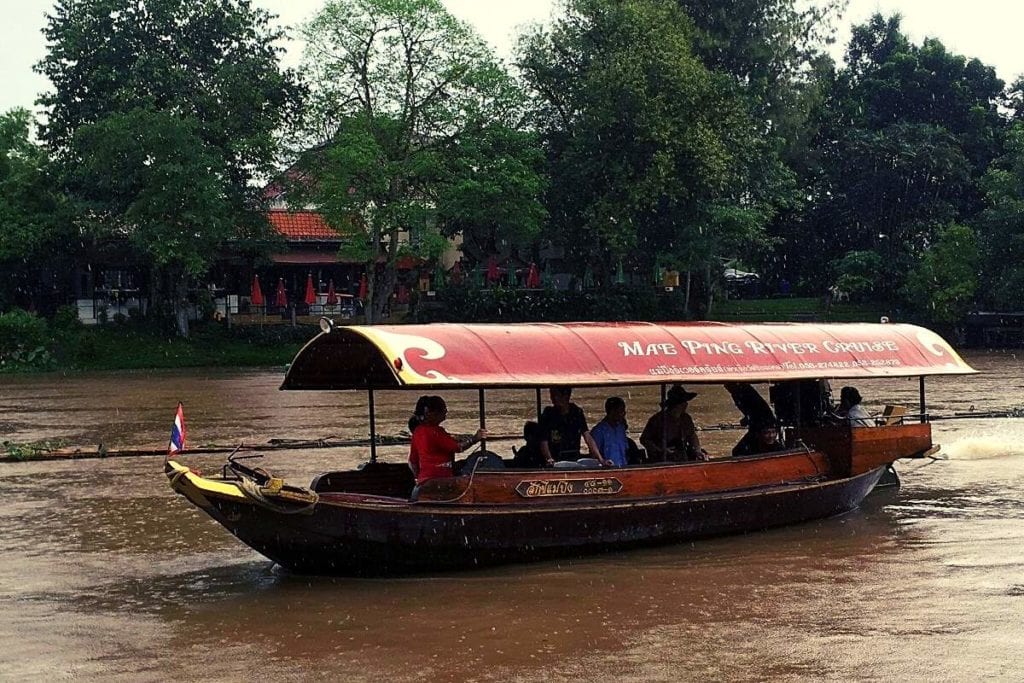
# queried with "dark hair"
point(562, 390)
point(613, 402)
point(435, 403)
point(849, 396)
point(531, 431)
point(417, 413)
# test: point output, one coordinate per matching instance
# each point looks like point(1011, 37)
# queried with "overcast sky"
point(986, 29)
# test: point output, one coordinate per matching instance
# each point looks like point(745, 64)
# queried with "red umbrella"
point(492, 270)
point(332, 296)
point(362, 286)
point(257, 294)
point(282, 298)
point(533, 277)
point(310, 297)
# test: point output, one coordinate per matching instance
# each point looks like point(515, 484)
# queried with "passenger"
point(762, 437)
point(433, 450)
point(670, 433)
point(852, 410)
point(562, 425)
point(610, 433)
point(756, 414)
point(416, 419)
point(529, 456)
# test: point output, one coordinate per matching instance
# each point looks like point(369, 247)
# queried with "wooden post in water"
point(373, 430)
point(664, 436)
point(538, 404)
point(483, 420)
point(921, 396)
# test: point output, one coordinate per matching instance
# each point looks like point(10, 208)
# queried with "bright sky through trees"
point(986, 29)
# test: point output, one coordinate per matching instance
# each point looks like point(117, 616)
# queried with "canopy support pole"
point(373, 430)
point(483, 420)
point(664, 436)
point(538, 404)
point(924, 418)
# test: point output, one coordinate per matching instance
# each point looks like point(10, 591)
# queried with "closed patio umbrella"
point(533, 277)
point(256, 297)
point(282, 297)
point(310, 297)
point(362, 286)
point(332, 296)
point(492, 270)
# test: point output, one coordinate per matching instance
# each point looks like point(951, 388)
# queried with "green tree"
point(857, 272)
point(909, 130)
point(650, 152)
point(407, 107)
point(205, 75)
point(944, 282)
point(30, 210)
point(1001, 227)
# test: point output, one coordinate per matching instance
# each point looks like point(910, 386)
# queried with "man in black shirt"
point(562, 425)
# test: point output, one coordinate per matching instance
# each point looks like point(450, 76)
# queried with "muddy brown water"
point(105, 573)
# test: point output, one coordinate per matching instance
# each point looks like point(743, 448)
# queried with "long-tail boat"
point(375, 520)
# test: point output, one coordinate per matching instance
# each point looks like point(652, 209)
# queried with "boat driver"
point(432, 451)
point(670, 434)
point(562, 425)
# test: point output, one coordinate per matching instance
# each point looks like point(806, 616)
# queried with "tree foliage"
point(943, 283)
point(162, 115)
point(413, 115)
point(908, 131)
point(650, 152)
point(32, 232)
point(1001, 227)
point(28, 198)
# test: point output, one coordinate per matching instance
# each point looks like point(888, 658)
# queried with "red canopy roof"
point(538, 354)
point(302, 225)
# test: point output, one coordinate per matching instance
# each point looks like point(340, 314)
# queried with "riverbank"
point(69, 347)
point(136, 347)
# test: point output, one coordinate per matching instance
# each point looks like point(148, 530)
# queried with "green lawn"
point(124, 348)
point(796, 309)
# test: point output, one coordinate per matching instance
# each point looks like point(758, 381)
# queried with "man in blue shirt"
point(610, 433)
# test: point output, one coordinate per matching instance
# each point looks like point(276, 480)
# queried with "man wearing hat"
point(758, 418)
point(670, 434)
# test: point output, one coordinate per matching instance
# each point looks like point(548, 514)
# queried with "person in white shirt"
point(850, 407)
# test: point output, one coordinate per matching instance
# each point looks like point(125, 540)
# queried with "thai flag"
point(177, 443)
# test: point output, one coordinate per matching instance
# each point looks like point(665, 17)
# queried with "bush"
point(24, 341)
point(66, 320)
point(459, 304)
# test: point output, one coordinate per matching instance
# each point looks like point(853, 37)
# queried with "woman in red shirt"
point(433, 450)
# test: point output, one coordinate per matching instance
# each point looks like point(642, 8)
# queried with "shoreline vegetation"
point(30, 344)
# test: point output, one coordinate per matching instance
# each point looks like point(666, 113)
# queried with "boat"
point(374, 520)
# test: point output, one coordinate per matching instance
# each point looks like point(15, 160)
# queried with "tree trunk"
point(369, 305)
point(711, 290)
point(686, 299)
point(181, 303)
point(386, 286)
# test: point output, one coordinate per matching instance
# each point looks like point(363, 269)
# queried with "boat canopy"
point(604, 354)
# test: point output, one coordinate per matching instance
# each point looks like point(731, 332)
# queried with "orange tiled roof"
point(301, 225)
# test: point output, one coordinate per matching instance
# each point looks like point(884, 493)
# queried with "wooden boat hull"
point(371, 535)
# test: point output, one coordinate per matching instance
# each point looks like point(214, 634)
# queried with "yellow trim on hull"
point(185, 481)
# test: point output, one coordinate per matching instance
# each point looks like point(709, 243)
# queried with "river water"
point(106, 573)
